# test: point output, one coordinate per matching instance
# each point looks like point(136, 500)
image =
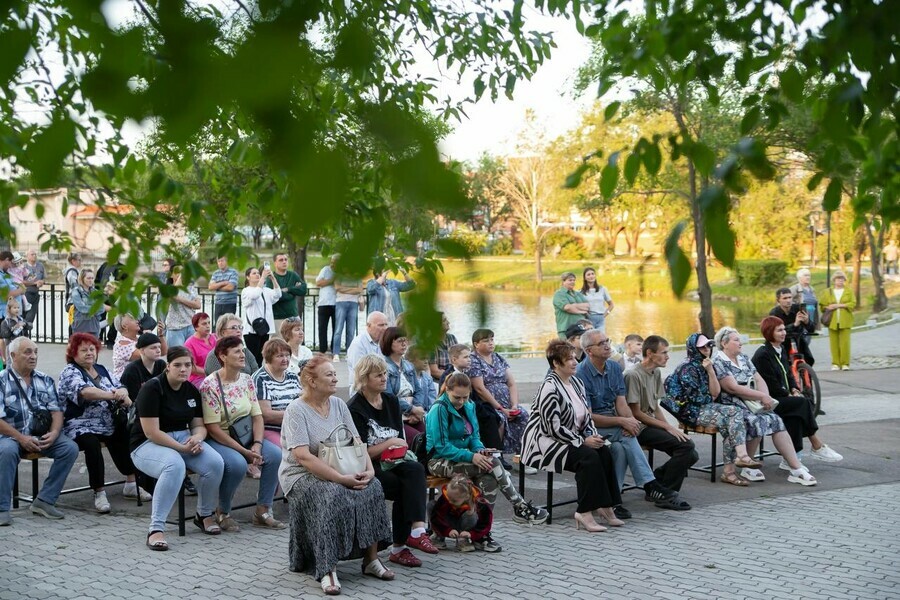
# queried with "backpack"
point(419, 447)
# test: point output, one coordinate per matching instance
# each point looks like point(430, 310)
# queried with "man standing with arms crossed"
point(224, 282)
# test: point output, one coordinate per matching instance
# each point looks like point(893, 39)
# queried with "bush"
point(473, 241)
point(559, 244)
point(502, 247)
point(760, 272)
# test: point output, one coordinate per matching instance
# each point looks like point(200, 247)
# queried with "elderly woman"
point(379, 422)
point(560, 437)
point(805, 295)
point(200, 345)
point(228, 396)
point(569, 305)
point(690, 393)
point(229, 325)
point(492, 380)
point(292, 333)
point(736, 375)
point(598, 298)
point(796, 410)
point(167, 439)
point(90, 394)
point(125, 349)
point(257, 301)
point(277, 385)
point(402, 379)
point(179, 318)
point(455, 447)
point(334, 516)
point(840, 302)
point(87, 318)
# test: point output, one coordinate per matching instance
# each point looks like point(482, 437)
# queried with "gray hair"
point(802, 272)
point(723, 335)
point(117, 322)
point(567, 275)
point(13, 347)
point(223, 320)
point(367, 365)
point(587, 338)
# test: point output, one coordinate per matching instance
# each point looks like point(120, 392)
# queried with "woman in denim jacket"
point(403, 381)
point(384, 294)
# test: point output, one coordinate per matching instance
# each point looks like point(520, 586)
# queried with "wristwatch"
point(257, 442)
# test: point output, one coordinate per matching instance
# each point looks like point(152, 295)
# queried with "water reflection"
point(525, 321)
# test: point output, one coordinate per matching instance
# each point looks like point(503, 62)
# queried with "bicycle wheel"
point(809, 386)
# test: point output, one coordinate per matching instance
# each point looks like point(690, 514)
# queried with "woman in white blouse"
point(257, 301)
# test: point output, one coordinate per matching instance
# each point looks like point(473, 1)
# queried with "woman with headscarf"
point(690, 391)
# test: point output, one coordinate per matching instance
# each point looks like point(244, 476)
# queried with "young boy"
point(460, 361)
point(11, 327)
point(632, 356)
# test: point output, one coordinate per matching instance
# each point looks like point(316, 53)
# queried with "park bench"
point(33, 457)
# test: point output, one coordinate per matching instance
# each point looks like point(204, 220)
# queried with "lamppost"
point(828, 259)
point(814, 228)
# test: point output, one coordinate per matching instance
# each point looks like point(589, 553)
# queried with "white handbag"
point(342, 452)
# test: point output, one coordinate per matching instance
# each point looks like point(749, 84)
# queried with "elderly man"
point(569, 305)
point(27, 392)
point(368, 342)
point(604, 385)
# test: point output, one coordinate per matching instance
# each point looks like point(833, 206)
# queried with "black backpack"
point(419, 447)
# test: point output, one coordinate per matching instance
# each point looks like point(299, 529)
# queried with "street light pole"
point(828, 267)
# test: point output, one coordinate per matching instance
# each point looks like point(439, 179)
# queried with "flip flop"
point(158, 545)
point(733, 479)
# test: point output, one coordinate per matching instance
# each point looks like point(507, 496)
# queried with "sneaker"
point(487, 544)
point(405, 558)
point(845, 368)
point(464, 545)
point(131, 490)
point(189, 488)
point(438, 541)
point(5, 518)
point(654, 492)
point(835, 368)
point(524, 512)
point(101, 503)
point(39, 507)
point(336, 358)
point(423, 543)
point(826, 454)
point(752, 474)
point(621, 512)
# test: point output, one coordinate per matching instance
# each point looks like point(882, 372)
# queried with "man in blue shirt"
point(23, 390)
point(224, 282)
point(604, 383)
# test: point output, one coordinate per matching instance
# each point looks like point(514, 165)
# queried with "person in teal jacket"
point(454, 446)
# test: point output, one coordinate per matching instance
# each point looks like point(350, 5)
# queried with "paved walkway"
point(821, 545)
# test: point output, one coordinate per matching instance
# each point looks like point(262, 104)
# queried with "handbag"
point(827, 314)
point(147, 323)
point(119, 414)
point(259, 325)
point(756, 407)
point(342, 452)
point(241, 430)
point(41, 419)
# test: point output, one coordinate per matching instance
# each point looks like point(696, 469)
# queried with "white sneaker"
point(826, 454)
point(752, 474)
point(131, 491)
point(835, 368)
point(101, 503)
point(845, 368)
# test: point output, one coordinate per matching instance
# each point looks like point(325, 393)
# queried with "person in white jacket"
point(256, 302)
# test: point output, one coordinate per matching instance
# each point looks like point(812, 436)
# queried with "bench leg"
point(15, 502)
point(650, 457)
point(712, 459)
point(181, 518)
point(521, 480)
point(549, 497)
point(34, 479)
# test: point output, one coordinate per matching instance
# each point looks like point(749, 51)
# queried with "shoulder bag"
point(259, 325)
point(827, 314)
point(241, 430)
point(756, 407)
point(342, 452)
point(41, 419)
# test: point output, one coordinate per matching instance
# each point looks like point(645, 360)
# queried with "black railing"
point(51, 325)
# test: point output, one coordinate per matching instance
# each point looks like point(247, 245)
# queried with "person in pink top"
point(200, 344)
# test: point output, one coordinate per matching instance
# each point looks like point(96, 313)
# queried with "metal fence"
point(51, 325)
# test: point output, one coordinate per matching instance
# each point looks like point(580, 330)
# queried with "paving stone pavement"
point(816, 544)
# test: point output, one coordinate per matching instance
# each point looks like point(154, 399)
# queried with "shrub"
point(502, 247)
point(473, 241)
point(760, 272)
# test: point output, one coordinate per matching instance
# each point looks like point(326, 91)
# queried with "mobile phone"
point(265, 265)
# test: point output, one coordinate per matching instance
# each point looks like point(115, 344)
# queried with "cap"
point(574, 330)
point(702, 341)
point(147, 339)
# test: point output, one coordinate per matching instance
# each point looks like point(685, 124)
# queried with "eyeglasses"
point(233, 328)
point(600, 343)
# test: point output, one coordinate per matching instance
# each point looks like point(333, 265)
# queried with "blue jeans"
point(64, 453)
point(177, 337)
point(598, 321)
point(168, 467)
point(236, 470)
point(344, 320)
point(626, 451)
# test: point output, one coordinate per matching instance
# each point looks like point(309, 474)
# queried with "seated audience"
point(402, 381)
point(292, 332)
point(333, 516)
point(229, 325)
point(276, 385)
point(490, 422)
point(25, 393)
point(201, 344)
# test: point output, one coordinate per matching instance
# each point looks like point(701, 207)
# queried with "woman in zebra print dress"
point(560, 437)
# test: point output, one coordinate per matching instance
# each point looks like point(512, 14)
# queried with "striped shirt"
point(279, 393)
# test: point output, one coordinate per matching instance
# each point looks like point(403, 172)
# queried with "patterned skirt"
point(762, 424)
point(330, 523)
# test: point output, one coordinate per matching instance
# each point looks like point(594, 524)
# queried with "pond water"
point(525, 322)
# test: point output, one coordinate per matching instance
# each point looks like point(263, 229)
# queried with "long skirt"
point(330, 523)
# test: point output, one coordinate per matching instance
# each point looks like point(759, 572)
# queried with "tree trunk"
point(538, 255)
point(875, 246)
point(703, 288)
point(297, 256)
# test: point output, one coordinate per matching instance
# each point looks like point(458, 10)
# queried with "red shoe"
point(423, 543)
point(405, 558)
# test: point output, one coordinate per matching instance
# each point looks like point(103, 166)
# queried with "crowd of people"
point(240, 397)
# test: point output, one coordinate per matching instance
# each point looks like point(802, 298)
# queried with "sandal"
point(158, 545)
point(673, 504)
point(733, 479)
point(747, 463)
point(227, 523)
point(802, 476)
point(266, 520)
point(212, 529)
point(330, 584)
point(377, 569)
